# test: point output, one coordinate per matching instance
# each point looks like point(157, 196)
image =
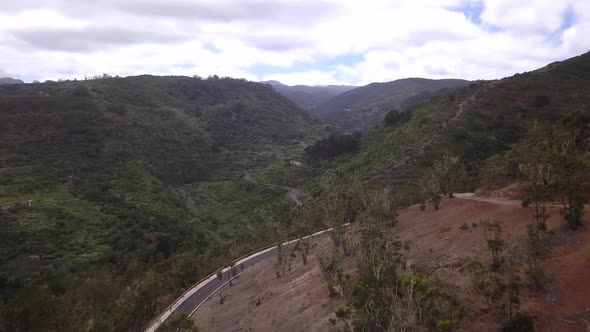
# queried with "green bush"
point(519, 323)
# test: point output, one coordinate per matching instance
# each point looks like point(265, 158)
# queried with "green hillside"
point(118, 193)
point(309, 97)
point(475, 123)
point(366, 106)
point(135, 188)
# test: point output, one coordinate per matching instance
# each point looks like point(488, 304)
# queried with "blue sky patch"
point(471, 9)
point(320, 64)
point(568, 20)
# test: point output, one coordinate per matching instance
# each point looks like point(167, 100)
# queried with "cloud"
point(278, 43)
point(91, 38)
point(304, 78)
point(294, 41)
point(232, 11)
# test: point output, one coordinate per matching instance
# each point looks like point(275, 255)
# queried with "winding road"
point(293, 192)
point(193, 298)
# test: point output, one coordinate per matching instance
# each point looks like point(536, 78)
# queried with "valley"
point(118, 194)
point(294, 165)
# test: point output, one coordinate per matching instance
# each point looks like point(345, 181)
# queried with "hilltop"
point(366, 106)
point(475, 122)
point(10, 80)
point(309, 97)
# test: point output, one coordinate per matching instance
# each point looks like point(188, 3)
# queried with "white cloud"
point(395, 38)
point(304, 78)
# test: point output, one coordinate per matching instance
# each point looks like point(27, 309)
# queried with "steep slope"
point(309, 97)
point(440, 246)
point(474, 122)
point(451, 245)
point(365, 106)
point(95, 181)
point(10, 80)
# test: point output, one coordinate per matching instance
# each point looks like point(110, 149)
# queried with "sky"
point(312, 42)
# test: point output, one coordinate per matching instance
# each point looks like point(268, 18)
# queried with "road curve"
point(192, 299)
point(293, 192)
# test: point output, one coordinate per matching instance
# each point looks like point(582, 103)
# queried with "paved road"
point(199, 293)
point(293, 192)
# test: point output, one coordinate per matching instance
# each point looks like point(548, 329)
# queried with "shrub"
point(541, 100)
point(518, 323)
point(332, 146)
point(573, 214)
point(395, 117)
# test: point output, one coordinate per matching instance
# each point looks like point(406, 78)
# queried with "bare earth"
point(439, 247)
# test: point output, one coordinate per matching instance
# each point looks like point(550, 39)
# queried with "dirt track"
point(299, 302)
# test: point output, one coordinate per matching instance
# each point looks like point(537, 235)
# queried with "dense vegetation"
point(532, 127)
point(118, 192)
point(334, 145)
point(366, 106)
point(473, 123)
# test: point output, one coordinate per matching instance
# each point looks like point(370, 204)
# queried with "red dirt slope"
point(439, 247)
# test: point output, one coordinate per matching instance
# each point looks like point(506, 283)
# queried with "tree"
point(332, 146)
point(493, 235)
point(555, 163)
point(430, 184)
point(447, 169)
point(331, 267)
point(395, 117)
point(387, 295)
point(222, 297)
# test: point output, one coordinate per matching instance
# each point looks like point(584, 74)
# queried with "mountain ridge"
point(306, 96)
point(365, 106)
point(10, 80)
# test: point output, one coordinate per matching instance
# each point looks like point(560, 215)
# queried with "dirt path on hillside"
point(501, 201)
point(293, 192)
point(462, 108)
point(464, 103)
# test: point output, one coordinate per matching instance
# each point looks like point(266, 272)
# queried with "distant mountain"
point(10, 80)
point(309, 97)
point(365, 106)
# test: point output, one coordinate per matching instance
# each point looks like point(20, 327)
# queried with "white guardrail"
point(156, 323)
